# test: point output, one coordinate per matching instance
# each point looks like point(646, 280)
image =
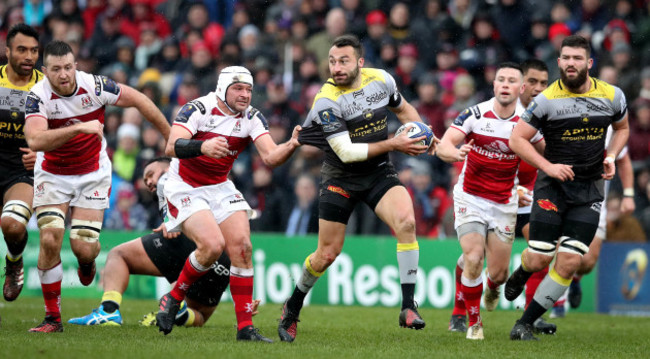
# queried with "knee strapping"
point(545, 248)
point(18, 210)
point(571, 245)
point(87, 231)
point(50, 217)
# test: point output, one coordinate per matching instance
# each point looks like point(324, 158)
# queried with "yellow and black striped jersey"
point(360, 113)
point(575, 125)
point(12, 117)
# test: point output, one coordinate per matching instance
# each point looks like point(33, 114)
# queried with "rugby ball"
point(415, 130)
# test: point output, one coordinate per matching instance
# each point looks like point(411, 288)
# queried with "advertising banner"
point(623, 283)
point(365, 273)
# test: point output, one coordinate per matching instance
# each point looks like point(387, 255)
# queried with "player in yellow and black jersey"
point(573, 114)
point(348, 121)
point(17, 175)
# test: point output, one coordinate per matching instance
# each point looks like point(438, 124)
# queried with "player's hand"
point(525, 198)
point(627, 205)
point(609, 169)
point(560, 172)
point(294, 136)
point(29, 158)
point(434, 145)
point(464, 150)
point(215, 147)
point(408, 145)
point(254, 304)
point(93, 127)
point(167, 235)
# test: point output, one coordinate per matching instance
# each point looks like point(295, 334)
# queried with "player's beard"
point(18, 69)
point(576, 82)
point(351, 77)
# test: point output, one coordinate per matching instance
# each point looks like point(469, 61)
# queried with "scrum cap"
point(230, 75)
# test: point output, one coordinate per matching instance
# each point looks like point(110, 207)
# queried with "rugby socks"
point(15, 250)
point(408, 255)
point(111, 301)
point(192, 271)
point(490, 283)
point(459, 301)
point(241, 289)
point(305, 284)
point(532, 284)
point(472, 291)
point(550, 290)
point(51, 286)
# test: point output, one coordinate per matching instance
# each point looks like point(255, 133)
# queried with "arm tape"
point(185, 148)
point(348, 151)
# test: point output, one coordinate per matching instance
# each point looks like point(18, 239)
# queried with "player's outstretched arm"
point(181, 145)
point(274, 155)
point(131, 97)
point(448, 149)
point(616, 144)
point(40, 138)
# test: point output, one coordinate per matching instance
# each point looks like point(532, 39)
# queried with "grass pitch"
point(325, 332)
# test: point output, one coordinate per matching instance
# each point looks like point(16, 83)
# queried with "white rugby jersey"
point(82, 153)
point(491, 166)
point(204, 120)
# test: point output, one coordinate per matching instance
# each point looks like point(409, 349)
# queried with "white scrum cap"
point(230, 75)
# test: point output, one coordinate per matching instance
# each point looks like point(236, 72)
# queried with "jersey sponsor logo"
point(186, 112)
point(568, 110)
point(238, 199)
point(477, 112)
point(356, 94)
point(546, 205)
point(95, 197)
point(221, 270)
point(98, 85)
point(328, 120)
point(110, 86)
point(350, 109)
point(460, 120)
point(157, 243)
point(376, 97)
point(487, 128)
point(339, 190)
point(583, 134)
point(31, 105)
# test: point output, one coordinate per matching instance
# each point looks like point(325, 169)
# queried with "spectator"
point(408, 70)
point(124, 158)
point(428, 105)
point(128, 214)
point(376, 24)
point(278, 105)
point(622, 227)
point(149, 47)
point(512, 19)
point(398, 22)
point(143, 13)
point(335, 26)
point(433, 22)
point(430, 202)
point(639, 143)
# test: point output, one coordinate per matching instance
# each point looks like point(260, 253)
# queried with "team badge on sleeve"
point(255, 112)
point(328, 120)
point(528, 114)
point(460, 120)
point(110, 86)
point(186, 112)
point(31, 104)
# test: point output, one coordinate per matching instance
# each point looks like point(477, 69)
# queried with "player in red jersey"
point(485, 199)
point(207, 136)
point(64, 124)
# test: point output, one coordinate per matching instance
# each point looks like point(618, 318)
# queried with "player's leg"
point(335, 206)
point(202, 228)
point(498, 252)
point(85, 227)
point(472, 242)
point(197, 314)
point(16, 212)
point(458, 321)
point(122, 261)
point(395, 208)
point(236, 230)
point(51, 223)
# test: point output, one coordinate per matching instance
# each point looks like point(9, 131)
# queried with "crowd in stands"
point(442, 53)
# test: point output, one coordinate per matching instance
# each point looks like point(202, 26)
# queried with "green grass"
point(325, 332)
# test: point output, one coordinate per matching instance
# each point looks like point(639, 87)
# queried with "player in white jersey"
point(207, 136)
point(64, 123)
point(485, 199)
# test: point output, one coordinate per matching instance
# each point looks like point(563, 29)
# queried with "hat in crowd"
point(408, 50)
point(427, 79)
point(276, 80)
point(128, 130)
point(200, 46)
point(284, 23)
point(621, 47)
point(249, 29)
point(559, 28)
point(539, 16)
point(125, 41)
point(188, 79)
point(376, 17)
point(126, 190)
point(447, 48)
point(149, 75)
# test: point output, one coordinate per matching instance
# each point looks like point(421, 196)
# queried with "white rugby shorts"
point(90, 190)
point(499, 217)
point(183, 200)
